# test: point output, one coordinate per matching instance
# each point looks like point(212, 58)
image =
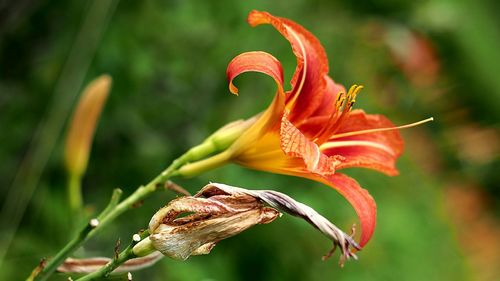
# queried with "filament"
point(369, 131)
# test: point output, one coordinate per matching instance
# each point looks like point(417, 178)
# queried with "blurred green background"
point(438, 220)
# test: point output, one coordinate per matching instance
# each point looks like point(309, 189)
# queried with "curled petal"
point(287, 204)
point(255, 62)
point(310, 77)
point(270, 118)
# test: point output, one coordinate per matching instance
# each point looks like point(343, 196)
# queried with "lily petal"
point(309, 80)
point(295, 144)
point(264, 63)
point(255, 62)
point(375, 150)
point(327, 106)
point(360, 199)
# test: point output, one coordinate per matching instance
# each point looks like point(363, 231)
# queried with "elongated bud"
point(83, 124)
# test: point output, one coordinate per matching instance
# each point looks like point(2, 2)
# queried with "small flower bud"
point(83, 124)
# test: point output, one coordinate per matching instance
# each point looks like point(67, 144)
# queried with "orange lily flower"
point(311, 131)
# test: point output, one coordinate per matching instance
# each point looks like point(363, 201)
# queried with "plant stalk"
point(114, 209)
point(75, 195)
point(106, 270)
point(104, 219)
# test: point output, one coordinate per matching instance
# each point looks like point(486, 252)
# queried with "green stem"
point(103, 219)
point(114, 209)
point(124, 256)
point(75, 195)
point(90, 230)
point(115, 199)
point(196, 168)
point(106, 270)
point(108, 215)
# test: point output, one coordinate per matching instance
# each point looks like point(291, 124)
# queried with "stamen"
point(340, 101)
point(351, 105)
point(343, 105)
point(351, 96)
point(346, 101)
point(377, 130)
point(330, 253)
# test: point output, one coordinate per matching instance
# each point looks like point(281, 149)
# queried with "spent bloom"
point(310, 131)
point(193, 225)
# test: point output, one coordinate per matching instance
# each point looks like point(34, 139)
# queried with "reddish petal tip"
point(360, 199)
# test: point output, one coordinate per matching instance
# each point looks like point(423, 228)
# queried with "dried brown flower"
point(193, 225)
point(287, 204)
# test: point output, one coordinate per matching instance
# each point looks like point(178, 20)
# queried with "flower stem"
point(196, 168)
point(106, 270)
point(114, 209)
point(75, 195)
point(102, 220)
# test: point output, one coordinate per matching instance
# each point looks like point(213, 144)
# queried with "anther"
point(340, 101)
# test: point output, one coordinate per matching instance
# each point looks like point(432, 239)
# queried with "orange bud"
point(83, 124)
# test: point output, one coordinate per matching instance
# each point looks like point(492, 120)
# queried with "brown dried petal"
point(206, 222)
point(287, 204)
point(193, 225)
point(89, 265)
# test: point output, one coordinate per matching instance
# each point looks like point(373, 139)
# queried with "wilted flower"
point(287, 204)
point(193, 225)
point(310, 131)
